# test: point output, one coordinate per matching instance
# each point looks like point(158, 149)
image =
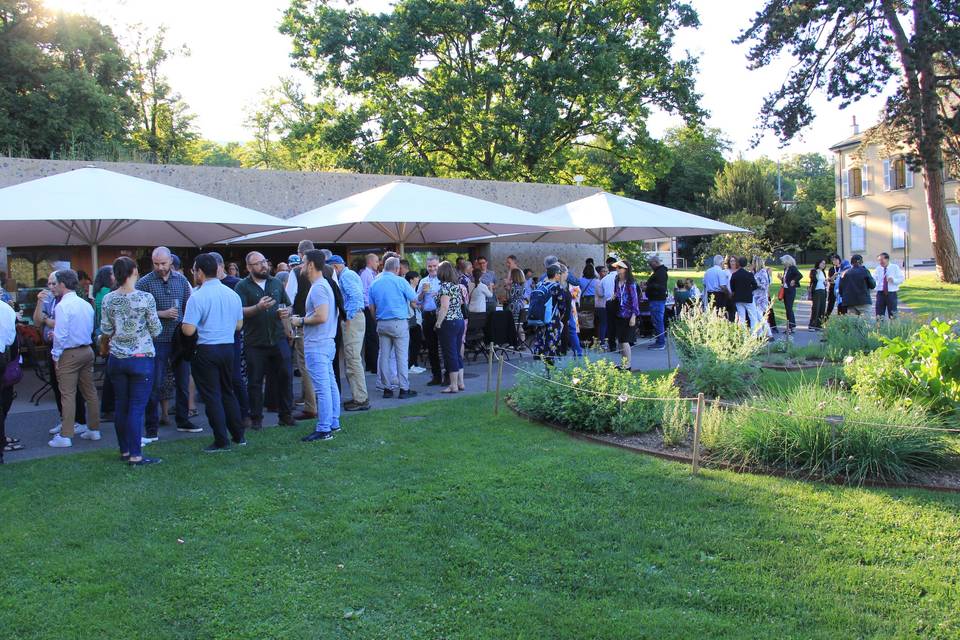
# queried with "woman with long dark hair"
point(628, 308)
point(130, 320)
point(516, 296)
point(819, 282)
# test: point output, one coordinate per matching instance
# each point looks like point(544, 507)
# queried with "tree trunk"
point(941, 235)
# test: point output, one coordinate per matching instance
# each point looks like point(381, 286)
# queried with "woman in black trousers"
point(791, 280)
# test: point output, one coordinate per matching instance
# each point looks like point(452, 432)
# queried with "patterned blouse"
point(131, 318)
point(455, 291)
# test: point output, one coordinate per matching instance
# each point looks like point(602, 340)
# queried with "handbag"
point(12, 371)
point(103, 345)
point(780, 294)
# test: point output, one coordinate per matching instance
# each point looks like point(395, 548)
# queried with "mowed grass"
point(926, 295)
point(461, 525)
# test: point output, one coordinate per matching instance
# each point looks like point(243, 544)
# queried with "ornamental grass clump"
point(791, 431)
point(848, 335)
point(717, 357)
point(593, 396)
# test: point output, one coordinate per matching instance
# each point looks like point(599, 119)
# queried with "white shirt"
point(893, 271)
point(715, 279)
point(604, 290)
point(8, 325)
point(292, 286)
point(821, 280)
point(478, 298)
point(73, 318)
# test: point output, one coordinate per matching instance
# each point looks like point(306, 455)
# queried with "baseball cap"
point(335, 260)
point(293, 260)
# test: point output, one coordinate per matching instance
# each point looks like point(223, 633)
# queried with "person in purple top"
point(628, 308)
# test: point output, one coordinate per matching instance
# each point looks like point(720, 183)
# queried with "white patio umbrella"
point(402, 212)
point(97, 207)
point(604, 217)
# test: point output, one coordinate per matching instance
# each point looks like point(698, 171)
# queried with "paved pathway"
point(31, 423)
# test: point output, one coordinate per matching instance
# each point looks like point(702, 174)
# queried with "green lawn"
point(925, 295)
point(461, 525)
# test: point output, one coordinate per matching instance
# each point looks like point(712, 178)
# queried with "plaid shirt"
point(173, 293)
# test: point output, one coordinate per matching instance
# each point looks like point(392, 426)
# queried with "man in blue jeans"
point(171, 291)
point(320, 346)
point(656, 292)
point(214, 313)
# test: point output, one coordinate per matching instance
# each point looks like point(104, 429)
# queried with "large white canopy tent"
point(604, 218)
point(402, 212)
point(95, 207)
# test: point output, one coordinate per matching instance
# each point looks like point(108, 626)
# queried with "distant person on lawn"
point(888, 277)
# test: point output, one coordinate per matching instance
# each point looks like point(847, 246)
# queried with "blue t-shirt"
point(315, 334)
point(392, 296)
point(214, 310)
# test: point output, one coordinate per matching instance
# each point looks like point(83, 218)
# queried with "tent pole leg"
point(400, 248)
point(95, 256)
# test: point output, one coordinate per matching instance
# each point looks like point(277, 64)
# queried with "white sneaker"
point(90, 434)
point(145, 441)
point(60, 442)
point(80, 428)
point(56, 429)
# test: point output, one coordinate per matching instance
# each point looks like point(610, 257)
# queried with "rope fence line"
point(623, 397)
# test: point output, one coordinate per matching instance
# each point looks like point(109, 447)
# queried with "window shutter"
point(908, 176)
point(864, 179)
point(846, 183)
point(953, 213)
point(886, 175)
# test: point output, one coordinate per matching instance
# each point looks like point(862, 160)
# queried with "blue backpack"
point(540, 312)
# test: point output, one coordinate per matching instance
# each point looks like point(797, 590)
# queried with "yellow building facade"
point(881, 205)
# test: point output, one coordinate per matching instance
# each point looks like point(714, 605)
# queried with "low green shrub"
point(924, 368)
point(717, 357)
point(676, 422)
point(571, 403)
point(791, 433)
point(850, 335)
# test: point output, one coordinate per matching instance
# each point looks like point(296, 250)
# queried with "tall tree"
point(165, 124)
point(695, 156)
point(64, 81)
point(496, 89)
point(853, 48)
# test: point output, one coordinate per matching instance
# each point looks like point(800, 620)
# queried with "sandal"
point(449, 391)
point(13, 446)
point(12, 440)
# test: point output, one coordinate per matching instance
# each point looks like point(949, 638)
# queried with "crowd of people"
point(238, 342)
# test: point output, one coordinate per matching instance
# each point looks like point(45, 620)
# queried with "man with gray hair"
point(297, 288)
point(390, 299)
point(716, 284)
point(171, 290)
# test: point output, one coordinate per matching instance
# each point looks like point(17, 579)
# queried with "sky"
point(236, 53)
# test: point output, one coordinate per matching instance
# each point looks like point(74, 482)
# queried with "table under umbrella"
point(400, 213)
point(95, 207)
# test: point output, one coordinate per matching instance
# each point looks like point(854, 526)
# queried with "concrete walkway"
point(31, 423)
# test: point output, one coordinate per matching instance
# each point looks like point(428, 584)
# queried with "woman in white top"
point(818, 295)
point(479, 295)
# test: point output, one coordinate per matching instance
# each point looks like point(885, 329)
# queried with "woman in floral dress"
point(549, 342)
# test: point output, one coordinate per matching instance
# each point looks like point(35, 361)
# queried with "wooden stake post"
point(489, 365)
point(496, 405)
point(697, 423)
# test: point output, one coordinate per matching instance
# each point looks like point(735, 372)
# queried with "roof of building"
point(852, 141)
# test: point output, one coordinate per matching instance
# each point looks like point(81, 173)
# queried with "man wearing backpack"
point(545, 315)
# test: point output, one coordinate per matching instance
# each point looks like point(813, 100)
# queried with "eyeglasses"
point(257, 264)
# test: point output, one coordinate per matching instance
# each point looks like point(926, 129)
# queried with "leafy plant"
point(573, 400)
point(790, 431)
point(717, 357)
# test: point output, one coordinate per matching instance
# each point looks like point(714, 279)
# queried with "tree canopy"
point(494, 89)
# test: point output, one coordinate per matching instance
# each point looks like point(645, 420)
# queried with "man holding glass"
point(265, 307)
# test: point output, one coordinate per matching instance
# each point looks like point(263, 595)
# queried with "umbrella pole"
point(401, 247)
point(95, 256)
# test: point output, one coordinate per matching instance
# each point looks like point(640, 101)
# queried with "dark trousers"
point(818, 308)
point(81, 404)
point(6, 400)
point(831, 301)
point(132, 382)
point(371, 342)
point(600, 324)
point(107, 395)
point(181, 376)
point(277, 361)
point(613, 307)
point(239, 385)
point(718, 300)
point(433, 342)
point(213, 374)
point(451, 337)
point(886, 304)
point(789, 296)
point(416, 343)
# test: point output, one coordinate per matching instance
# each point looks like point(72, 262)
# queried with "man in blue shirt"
point(320, 346)
point(426, 298)
point(171, 291)
point(390, 298)
point(214, 313)
point(354, 329)
point(239, 355)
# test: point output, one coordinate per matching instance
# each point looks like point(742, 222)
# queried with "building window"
point(897, 174)
point(953, 214)
point(858, 233)
point(898, 225)
point(856, 182)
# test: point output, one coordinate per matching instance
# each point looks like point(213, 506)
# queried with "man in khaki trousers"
point(354, 328)
point(72, 355)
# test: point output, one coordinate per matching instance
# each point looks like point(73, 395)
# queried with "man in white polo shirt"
point(889, 277)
